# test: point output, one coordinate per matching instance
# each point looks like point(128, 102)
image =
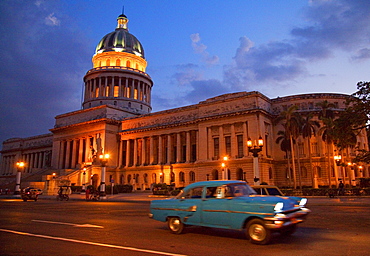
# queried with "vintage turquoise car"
point(230, 204)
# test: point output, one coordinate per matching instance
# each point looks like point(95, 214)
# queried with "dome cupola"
point(118, 75)
point(120, 40)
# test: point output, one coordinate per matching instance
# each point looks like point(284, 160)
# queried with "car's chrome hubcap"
point(175, 223)
point(257, 232)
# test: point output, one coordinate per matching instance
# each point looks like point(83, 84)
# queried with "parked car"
point(30, 194)
point(230, 204)
point(271, 190)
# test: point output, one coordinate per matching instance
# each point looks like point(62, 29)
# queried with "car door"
point(189, 206)
point(215, 207)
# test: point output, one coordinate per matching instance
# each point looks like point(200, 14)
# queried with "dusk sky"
point(195, 50)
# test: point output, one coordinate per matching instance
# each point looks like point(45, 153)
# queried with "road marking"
point(70, 224)
point(91, 243)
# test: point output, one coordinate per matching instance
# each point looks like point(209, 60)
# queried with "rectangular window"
point(228, 145)
point(135, 94)
point(239, 139)
point(216, 148)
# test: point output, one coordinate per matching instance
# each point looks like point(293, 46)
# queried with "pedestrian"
point(87, 193)
point(341, 188)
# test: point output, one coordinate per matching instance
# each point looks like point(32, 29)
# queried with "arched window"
point(172, 177)
point(304, 172)
point(137, 178)
point(317, 171)
point(239, 174)
point(122, 179)
point(128, 64)
point(129, 179)
point(182, 177)
point(145, 178)
point(108, 62)
point(191, 176)
point(154, 178)
point(118, 62)
point(271, 175)
point(215, 175)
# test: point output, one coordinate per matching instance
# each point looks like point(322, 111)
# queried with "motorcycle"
point(63, 193)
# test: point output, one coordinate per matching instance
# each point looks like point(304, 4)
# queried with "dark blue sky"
point(195, 49)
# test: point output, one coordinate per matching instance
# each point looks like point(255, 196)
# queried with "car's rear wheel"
point(175, 225)
point(257, 232)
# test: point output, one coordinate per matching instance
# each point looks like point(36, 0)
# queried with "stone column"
point(234, 144)
point(222, 141)
point(151, 150)
point(143, 152)
point(73, 153)
point(245, 138)
point(160, 150)
point(128, 153)
point(188, 146)
point(169, 148)
point(135, 152)
point(178, 147)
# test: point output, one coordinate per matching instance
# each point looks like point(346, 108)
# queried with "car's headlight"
point(279, 207)
point(303, 202)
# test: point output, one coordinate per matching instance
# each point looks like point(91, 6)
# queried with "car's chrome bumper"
point(282, 220)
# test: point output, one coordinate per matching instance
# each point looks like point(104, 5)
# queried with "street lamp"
point(224, 168)
point(84, 180)
point(255, 149)
point(103, 161)
point(20, 166)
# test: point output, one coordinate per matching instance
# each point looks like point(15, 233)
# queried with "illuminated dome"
point(120, 40)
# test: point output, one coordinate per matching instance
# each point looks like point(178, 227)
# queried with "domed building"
point(116, 139)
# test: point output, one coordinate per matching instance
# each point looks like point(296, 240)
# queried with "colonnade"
point(32, 160)
point(180, 147)
point(117, 87)
point(76, 151)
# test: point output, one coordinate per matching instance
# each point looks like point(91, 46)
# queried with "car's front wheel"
point(257, 232)
point(175, 225)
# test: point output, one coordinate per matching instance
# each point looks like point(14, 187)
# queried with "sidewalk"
point(147, 196)
point(137, 196)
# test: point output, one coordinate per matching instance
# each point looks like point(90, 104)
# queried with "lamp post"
point(337, 159)
point(103, 161)
point(224, 168)
point(84, 180)
point(255, 149)
point(20, 166)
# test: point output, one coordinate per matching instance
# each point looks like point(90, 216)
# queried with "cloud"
point(43, 63)
point(51, 20)
point(341, 25)
point(200, 48)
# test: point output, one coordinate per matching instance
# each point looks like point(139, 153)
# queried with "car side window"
point(211, 192)
point(194, 193)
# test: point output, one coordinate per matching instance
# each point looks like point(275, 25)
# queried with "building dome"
point(120, 40)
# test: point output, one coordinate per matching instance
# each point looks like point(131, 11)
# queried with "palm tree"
point(292, 127)
point(284, 141)
point(327, 133)
point(308, 129)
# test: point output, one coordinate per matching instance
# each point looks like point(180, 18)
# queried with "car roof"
point(214, 183)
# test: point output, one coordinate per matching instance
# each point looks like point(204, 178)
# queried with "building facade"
point(176, 146)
